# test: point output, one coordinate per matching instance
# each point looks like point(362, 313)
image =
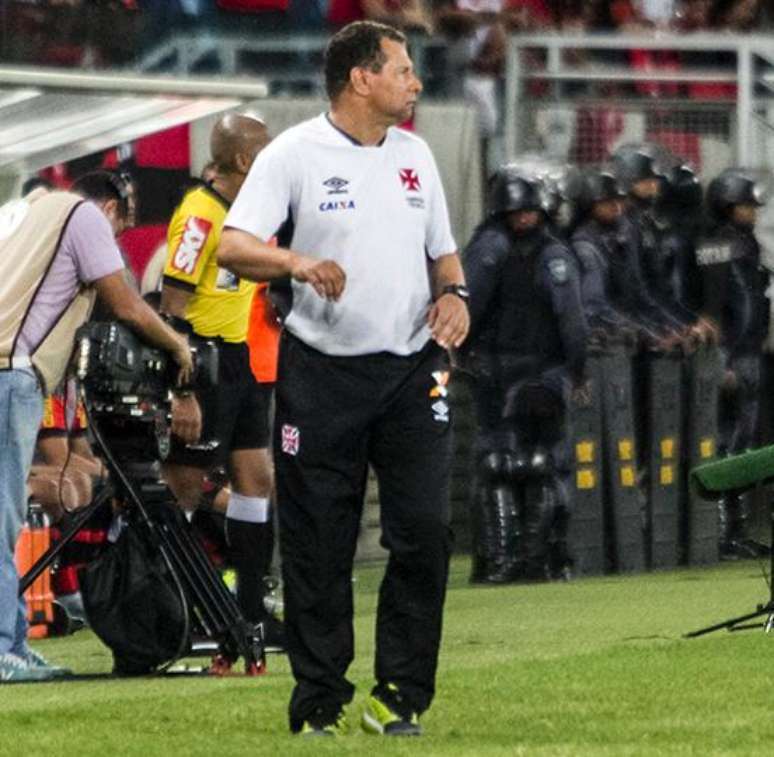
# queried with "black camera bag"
point(135, 604)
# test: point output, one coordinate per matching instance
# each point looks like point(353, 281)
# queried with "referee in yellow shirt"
point(212, 303)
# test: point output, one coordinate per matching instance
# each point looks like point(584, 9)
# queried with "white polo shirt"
point(379, 212)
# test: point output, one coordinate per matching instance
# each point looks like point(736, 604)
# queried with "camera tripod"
point(210, 608)
point(741, 622)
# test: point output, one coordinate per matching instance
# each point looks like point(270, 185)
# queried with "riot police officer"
point(615, 296)
point(527, 350)
point(640, 176)
point(734, 298)
point(595, 242)
point(679, 214)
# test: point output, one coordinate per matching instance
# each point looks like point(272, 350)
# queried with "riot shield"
point(623, 503)
point(586, 532)
point(665, 407)
point(700, 521)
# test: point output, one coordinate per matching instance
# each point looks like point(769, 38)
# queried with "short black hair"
point(101, 186)
point(35, 182)
point(357, 45)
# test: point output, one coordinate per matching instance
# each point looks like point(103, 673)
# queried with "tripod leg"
point(729, 624)
point(214, 603)
point(79, 521)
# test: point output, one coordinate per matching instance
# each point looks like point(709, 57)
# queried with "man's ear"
point(359, 80)
point(243, 162)
point(110, 207)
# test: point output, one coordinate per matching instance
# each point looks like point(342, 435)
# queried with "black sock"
point(250, 550)
point(210, 527)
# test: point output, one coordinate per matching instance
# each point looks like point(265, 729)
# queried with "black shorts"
point(235, 413)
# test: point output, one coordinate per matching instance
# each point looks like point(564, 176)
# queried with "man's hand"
point(449, 321)
point(325, 276)
point(669, 342)
point(182, 356)
point(730, 382)
point(186, 418)
point(706, 331)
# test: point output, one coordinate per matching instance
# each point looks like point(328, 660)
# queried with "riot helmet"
point(734, 186)
point(562, 186)
point(599, 186)
point(679, 205)
point(681, 189)
point(510, 190)
point(633, 163)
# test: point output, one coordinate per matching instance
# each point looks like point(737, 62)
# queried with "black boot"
point(497, 537)
point(739, 527)
point(732, 526)
point(560, 562)
point(539, 505)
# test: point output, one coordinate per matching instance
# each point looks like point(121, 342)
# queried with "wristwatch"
point(458, 290)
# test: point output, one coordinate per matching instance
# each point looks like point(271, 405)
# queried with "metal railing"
point(749, 80)
point(284, 61)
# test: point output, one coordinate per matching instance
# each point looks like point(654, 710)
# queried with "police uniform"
point(235, 412)
point(680, 273)
point(612, 277)
point(527, 346)
point(639, 240)
point(359, 382)
point(735, 287)
point(656, 252)
point(679, 214)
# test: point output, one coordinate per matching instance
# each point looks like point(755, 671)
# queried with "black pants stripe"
point(334, 416)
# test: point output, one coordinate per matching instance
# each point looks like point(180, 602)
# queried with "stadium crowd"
point(101, 33)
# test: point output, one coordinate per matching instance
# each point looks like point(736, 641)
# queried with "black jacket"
point(734, 287)
point(525, 303)
point(612, 277)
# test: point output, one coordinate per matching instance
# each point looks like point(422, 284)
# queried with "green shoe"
point(321, 724)
point(388, 714)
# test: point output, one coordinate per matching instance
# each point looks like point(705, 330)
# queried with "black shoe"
point(323, 723)
point(500, 572)
point(735, 549)
point(756, 548)
point(560, 564)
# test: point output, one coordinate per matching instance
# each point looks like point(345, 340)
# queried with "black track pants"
point(334, 416)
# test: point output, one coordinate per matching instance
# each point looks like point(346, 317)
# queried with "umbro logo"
point(336, 185)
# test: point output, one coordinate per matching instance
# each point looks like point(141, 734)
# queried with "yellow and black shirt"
point(220, 305)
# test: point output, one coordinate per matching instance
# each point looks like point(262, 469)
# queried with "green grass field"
point(593, 667)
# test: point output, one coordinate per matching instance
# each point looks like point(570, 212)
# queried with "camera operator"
point(57, 253)
point(211, 303)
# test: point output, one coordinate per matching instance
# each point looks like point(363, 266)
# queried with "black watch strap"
point(458, 290)
point(178, 324)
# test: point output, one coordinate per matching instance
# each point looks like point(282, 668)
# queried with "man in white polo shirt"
point(376, 295)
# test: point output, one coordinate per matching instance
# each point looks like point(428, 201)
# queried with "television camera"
point(128, 386)
point(153, 596)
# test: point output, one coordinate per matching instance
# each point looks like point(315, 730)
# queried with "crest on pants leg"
point(440, 392)
point(291, 439)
